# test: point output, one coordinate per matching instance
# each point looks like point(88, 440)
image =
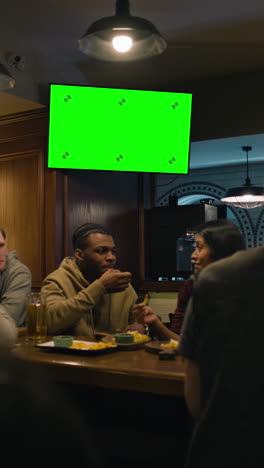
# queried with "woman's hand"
point(144, 314)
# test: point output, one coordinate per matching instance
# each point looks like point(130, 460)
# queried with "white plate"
point(49, 345)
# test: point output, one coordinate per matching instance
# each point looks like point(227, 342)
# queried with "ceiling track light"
point(122, 37)
point(247, 196)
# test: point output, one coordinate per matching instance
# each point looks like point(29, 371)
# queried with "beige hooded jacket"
point(71, 299)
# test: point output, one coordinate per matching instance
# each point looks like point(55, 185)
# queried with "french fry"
point(146, 300)
point(173, 344)
point(138, 337)
point(93, 346)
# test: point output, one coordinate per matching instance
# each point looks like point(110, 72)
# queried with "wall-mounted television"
point(119, 129)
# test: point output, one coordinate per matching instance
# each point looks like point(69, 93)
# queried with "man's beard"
point(90, 269)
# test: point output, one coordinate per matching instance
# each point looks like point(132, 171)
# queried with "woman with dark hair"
point(213, 240)
point(222, 237)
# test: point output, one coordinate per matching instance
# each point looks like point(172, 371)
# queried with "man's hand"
point(115, 280)
point(144, 314)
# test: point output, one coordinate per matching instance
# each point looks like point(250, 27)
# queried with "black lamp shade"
point(97, 41)
point(246, 197)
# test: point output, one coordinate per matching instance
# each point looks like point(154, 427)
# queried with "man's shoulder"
point(67, 266)
point(15, 265)
point(66, 263)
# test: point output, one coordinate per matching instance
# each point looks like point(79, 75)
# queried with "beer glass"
point(36, 316)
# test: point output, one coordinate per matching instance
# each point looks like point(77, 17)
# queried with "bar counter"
point(131, 370)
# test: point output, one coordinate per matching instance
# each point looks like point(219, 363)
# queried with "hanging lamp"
point(122, 37)
point(247, 196)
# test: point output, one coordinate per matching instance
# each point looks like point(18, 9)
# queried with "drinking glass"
point(36, 316)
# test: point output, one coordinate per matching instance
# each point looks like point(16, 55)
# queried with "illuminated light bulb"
point(247, 197)
point(122, 43)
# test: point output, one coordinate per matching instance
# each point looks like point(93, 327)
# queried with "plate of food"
point(129, 340)
point(158, 346)
point(78, 347)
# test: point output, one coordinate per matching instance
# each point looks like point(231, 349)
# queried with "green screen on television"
point(119, 129)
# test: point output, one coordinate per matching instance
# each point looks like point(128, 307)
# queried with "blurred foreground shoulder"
point(8, 330)
point(52, 423)
point(246, 265)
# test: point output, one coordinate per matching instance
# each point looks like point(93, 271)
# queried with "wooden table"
point(135, 384)
point(133, 370)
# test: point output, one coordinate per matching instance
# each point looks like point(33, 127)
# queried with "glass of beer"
point(36, 317)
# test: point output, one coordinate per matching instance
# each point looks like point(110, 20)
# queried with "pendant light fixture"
point(6, 80)
point(122, 37)
point(247, 196)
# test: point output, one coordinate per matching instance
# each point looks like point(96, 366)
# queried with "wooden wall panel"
point(21, 207)
point(45, 206)
point(54, 219)
point(110, 199)
point(31, 203)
